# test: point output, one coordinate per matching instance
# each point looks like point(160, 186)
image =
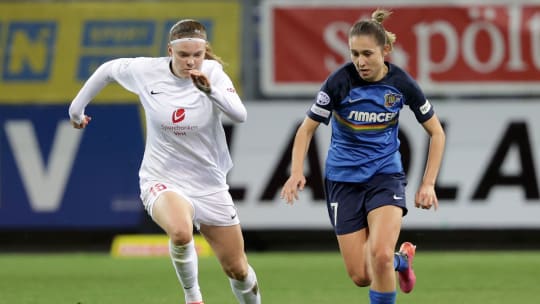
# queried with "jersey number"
point(157, 188)
point(334, 207)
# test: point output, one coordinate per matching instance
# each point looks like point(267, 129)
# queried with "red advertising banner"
point(448, 48)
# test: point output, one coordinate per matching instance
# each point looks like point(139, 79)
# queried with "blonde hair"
point(190, 28)
point(375, 28)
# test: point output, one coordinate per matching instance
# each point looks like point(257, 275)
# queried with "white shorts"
point(216, 209)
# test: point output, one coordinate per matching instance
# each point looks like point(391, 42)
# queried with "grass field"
point(454, 277)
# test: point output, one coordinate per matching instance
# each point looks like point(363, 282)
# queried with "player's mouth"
point(364, 72)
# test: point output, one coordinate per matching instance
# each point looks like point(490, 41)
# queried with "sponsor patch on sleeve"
point(320, 111)
point(425, 108)
point(323, 98)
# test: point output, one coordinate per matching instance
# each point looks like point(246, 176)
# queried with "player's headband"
point(186, 39)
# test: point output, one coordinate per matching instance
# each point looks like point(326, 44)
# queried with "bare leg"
point(353, 248)
point(228, 244)
point(384, 228)
point(174, 214)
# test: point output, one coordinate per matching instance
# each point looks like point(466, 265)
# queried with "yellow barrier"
point(48, 50)
point(146, 245)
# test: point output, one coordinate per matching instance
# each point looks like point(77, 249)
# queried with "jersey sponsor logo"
point(231, 90)
point(425, 107)
point(323, 98)
point(178, 115)
point(179, 130)
point(320, 111)
point(371, 116)
point(390, 99)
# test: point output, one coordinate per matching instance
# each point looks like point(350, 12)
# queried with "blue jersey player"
point(364, 178)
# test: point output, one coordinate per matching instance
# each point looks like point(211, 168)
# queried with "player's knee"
point(359, 275)
point(382, 260)
point(360, 280)
point(235, 270)
point(180, 236)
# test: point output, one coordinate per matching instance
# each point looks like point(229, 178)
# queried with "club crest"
point(390, 99)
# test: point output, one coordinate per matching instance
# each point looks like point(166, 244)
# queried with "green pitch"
point(453, 278)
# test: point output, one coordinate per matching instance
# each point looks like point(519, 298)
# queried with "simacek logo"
point(371, 117)
point(178, 115)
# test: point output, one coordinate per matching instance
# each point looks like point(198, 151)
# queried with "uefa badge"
point(323, 98)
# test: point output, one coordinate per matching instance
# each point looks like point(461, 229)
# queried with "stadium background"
point(478, 62)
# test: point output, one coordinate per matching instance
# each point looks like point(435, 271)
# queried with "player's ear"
point(169, 50)
point(387, 49)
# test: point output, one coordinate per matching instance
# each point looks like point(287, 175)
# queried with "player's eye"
point(367, 53)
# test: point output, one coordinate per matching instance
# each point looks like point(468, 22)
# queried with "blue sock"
point(400, 262)
point(376, 297)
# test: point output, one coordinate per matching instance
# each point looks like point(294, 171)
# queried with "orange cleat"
point(407, 278)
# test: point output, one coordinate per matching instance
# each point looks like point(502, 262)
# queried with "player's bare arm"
point(426, 197)
point(297, 180)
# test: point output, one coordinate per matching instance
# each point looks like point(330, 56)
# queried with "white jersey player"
point(186, 159)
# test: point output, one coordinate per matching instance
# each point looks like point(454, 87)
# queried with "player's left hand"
point(426, 198)
point(81, 125)
point(200, 81)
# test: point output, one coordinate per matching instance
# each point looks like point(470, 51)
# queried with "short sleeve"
point(417, 102)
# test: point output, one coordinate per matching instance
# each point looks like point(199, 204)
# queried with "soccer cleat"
point(407, 278)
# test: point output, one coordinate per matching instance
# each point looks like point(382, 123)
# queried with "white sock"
point(185, 262)
point(247, 291)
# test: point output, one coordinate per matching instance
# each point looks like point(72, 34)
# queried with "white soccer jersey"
point(185, 140)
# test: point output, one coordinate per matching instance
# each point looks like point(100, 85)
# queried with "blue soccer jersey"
point(364, 119)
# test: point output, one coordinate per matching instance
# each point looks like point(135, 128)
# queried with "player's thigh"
point(228, 245)
point(173, 213)
point(353, 250)
point(384, 227)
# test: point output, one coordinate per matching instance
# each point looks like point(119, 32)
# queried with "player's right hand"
point(289, 193)
point(200, 81)
point(82, 124)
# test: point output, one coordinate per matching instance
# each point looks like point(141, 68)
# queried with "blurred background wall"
point(478, 62)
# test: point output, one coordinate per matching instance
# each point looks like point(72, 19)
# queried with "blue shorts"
point(349, 203)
